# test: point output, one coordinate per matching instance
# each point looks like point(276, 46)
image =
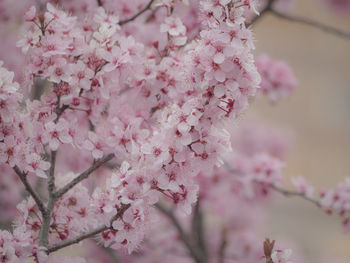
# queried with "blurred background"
point(318, 115)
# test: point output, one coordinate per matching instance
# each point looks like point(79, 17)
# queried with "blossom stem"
point(30, 189)
point(148, 6)
point(84, 175)
point(87, 234)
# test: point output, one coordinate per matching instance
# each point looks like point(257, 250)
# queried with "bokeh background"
point(318, 115)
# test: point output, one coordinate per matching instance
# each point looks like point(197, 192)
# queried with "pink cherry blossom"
point(127, 111)
point(56, 134)
point(281, 256)
point(30, 15)
point(278, 80)
point(173, 26)
point(36, 165)
point(93, 145)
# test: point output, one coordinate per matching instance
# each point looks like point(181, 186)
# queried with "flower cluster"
point(15, 247)
point(158, 109)
point(141, 97)
point(337, 200)
point(277, 79)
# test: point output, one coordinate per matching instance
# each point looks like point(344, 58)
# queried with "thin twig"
point(194, 250)
point(306, 21)
point(309, 22)
point(263, 12)
point(148, 6)
point(285, 192)
point(88, 234)
point(30, 189)
point(51, 177)
point(84, 175)
point(152, 15)
point(289, 193)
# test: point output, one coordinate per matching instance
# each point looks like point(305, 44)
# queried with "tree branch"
point(194, 250)
point(289, 193)
point(47, 213)
point(45, 226)
point(83, 175)
point(148, 6)
point(309, 22)
point(198, 228)
point(51, 177)
point(88, 234)
point(30, 189)
point(328, 29)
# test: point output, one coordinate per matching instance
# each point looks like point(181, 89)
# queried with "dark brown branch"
point(88, 234)
point(84, 175)
point(309, 22)
point(148, 6)
point(194, 250)
point(30, 189)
